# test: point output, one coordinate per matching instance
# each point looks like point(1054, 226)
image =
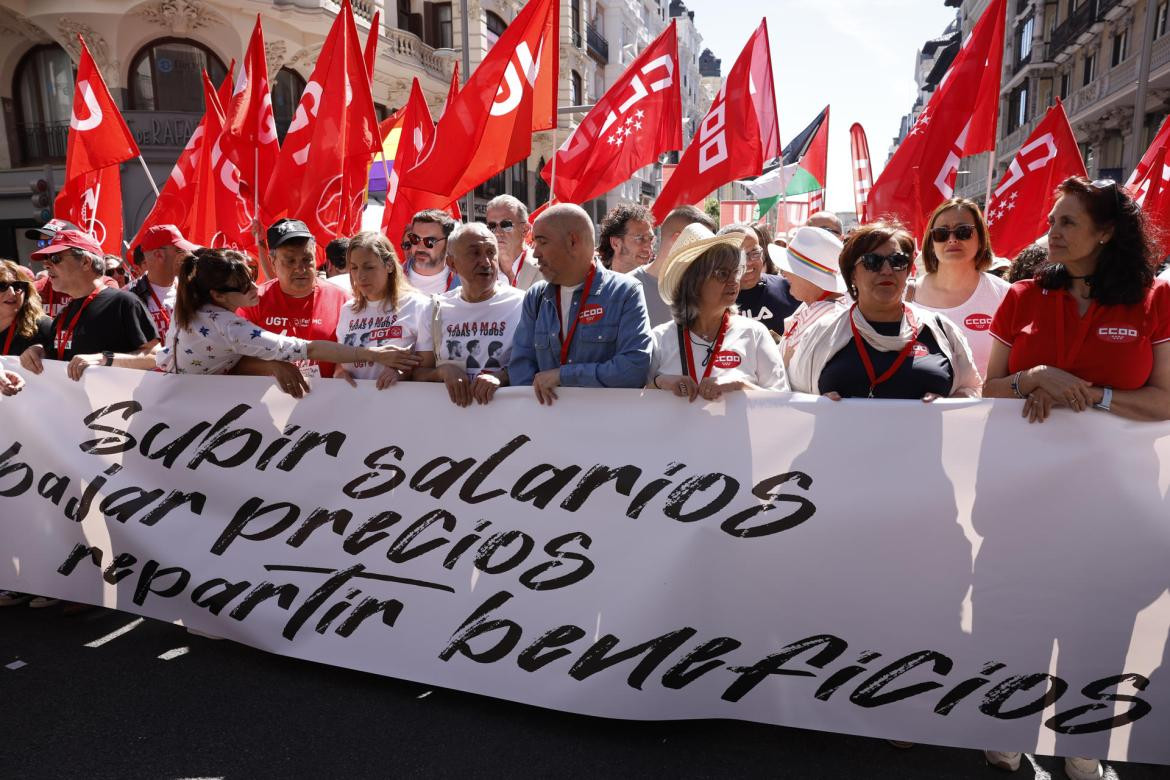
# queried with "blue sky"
point(855, 55)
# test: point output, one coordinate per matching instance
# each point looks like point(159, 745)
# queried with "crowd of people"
point(1080, 322)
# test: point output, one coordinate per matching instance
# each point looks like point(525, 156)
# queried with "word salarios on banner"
point(939, 573)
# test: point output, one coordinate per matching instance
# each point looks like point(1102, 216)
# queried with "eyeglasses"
point(943, 234)
point(227, 290)
point(755, 254)
point(725, 275)
point(873, 262)
point(120, 271)
point(643, 238)
point(16, 287)
point(54, 259)
point(413, 239)
point(504, 226)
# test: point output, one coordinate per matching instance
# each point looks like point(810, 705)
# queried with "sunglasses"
point(1108, 184)
point(55, 259)
point(228, 290)
point(17, 287)
point(943, 234)
point(873, 262)
point(43, 242)
point(504, 226)
point(414, 240)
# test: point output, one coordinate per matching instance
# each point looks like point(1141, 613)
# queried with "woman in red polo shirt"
point(1092, 329)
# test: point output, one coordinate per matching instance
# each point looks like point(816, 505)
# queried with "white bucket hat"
point(693, 241)
point(813, 255)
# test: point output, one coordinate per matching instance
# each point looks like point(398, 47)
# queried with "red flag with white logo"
point(1150, 185)
point(250, 137)
point(862, 170)
point(403, 198)
point(511, 95)
point(452, 91)
point(1017, 213)
point(639, 118)
point(958, 121)
point(371, 51)
point(738, 135)
point(322, 171)
point(99, 140)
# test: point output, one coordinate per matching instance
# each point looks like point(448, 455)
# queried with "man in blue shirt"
point(584, 326)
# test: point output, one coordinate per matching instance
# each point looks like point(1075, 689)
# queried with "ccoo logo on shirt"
point(727, 359)
point(591, 313)
point(978, 322)
point(1117, 334)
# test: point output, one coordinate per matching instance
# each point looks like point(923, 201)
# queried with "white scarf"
point(829, 335)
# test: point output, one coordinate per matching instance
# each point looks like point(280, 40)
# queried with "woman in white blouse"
point(208, 337)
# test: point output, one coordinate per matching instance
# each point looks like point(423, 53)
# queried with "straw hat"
point(813, 255)
point(693, 241)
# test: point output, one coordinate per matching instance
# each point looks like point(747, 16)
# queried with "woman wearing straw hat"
point(709, 349)
point(810, 264)
point(881, 346)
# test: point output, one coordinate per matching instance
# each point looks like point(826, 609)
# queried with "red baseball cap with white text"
point(158, 236)
point(70, 239)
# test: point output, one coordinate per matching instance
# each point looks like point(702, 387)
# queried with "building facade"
point(152, 52)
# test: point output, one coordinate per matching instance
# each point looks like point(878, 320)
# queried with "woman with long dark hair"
point(1092, 329)
point(208, 337)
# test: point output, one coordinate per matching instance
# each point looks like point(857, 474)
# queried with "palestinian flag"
point(800, 169)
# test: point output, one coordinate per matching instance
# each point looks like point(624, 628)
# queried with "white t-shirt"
point(566, 304)
point(748, 352)
point(341, 280)
point(165, 296)
point(436, 284)
point(215, 340)
point(377, 326)
point(973, 316)
point(476, 336)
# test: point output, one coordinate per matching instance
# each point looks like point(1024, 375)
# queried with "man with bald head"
point(584, 325)
point(459, 322)
point(827, 220)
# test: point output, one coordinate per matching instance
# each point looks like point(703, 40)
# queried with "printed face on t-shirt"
point(295, 269)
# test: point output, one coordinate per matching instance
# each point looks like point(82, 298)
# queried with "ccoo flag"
point(1150, 185)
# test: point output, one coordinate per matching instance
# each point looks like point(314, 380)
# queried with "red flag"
point(452, 91)
point(639, 118)
point(958, 121)
point(403, 198)
point(862, 170)
point(738, 135)
point(250, 134)
point(99, 140)
point(204, 201)
point(175, 203)
point(511, 95)
point(1017, 213)
point(334, 121)
point(371, 50)
point(322, 171)
point(1150, 184)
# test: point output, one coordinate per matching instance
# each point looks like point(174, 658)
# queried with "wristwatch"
point(108, 358)
point(1106, 399)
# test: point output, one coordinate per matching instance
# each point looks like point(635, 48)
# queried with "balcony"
point(42, 142)
point(408, 48)
point(363, 9)
point(1073, 27)
point(1113, 81)
point(1105, 6)
point(597, 45)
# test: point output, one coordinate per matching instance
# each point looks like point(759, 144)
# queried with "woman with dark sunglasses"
point(882, 346)
point(21, 316)
point(956, 252)
point(208, 337)
point(1092, 329)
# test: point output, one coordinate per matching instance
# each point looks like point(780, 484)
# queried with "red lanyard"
point(827, 295)
point(8, 340)
point(691, 369)
point(450, 278)
point(580, 307)
point(62, 343)
point(162, 310)
point(516, 269)
point(864, 353)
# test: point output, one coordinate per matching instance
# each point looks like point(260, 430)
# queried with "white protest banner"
point(941, 573)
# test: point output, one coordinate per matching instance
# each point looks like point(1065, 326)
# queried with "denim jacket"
point(613, 351)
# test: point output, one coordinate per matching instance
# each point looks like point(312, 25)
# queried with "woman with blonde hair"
point(385, 309)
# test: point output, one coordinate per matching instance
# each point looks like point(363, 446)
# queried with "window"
point(286, 94)
point(167, 76)
point(1120, 48)
point(1064, 82)
point(403, 14)
point(576, 89)
point(1017, 107)
point(575, 21)
point(541, 185)
point(439, 33)
point(44, 99)
point(1089, 69)
point(1160, 19)
point(1024, 41)
point(495, 28)
point(520, 180)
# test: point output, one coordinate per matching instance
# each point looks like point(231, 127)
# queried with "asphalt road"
point(157, 702)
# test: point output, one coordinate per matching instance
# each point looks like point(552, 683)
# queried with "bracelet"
point(1016, 385)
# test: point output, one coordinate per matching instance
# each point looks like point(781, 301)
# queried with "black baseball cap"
point(49, 229)
point(285, 230)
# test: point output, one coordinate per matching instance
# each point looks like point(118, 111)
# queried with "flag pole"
point(149, 178)
point(97, 198)
point(990, 173)
point(552, 179)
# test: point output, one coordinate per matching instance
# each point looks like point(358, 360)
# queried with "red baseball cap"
point(70, 239)
point(158, 236)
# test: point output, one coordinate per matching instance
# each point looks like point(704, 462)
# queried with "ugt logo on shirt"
point(1117, 334)
point(591, 313)
point(727, 359)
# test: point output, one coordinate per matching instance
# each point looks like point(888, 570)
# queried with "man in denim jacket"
point(560, 342)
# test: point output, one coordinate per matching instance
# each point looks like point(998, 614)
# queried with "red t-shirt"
point(313, 317)
point(1109, 345)
point(52, 301)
